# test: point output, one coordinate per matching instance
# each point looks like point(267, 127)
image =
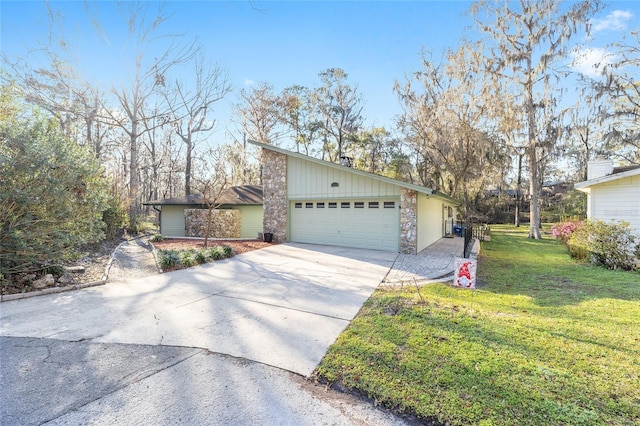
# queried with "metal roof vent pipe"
point(346, 161)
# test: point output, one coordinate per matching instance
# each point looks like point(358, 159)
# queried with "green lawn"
point(543, 340)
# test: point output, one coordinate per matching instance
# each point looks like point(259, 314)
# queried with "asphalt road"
point(56, 382)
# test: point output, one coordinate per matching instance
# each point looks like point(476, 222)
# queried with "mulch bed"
point(97, 256)
point(94, 259)
point(238, 246)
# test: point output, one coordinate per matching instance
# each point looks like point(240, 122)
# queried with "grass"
point(543, 340)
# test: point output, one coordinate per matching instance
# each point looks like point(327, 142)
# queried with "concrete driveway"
point(281, 306)
point(207, 345)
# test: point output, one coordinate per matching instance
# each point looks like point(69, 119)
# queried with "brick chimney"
point(599, 168)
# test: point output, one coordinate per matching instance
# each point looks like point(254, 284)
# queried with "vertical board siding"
point(308, 180)
point(617, 200)
point(250, 221)
point(172, 221)
point(430, 211)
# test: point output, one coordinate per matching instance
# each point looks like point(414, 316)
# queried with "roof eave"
point(581, 186)
point(417, 188)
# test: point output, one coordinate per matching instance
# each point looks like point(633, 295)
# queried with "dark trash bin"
point(457, 229)
point(268, 237)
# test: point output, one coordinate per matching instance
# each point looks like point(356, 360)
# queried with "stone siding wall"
point(274, 184)
point(225, 223)
point(408, 221)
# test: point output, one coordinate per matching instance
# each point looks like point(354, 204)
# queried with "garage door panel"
point(363, 227)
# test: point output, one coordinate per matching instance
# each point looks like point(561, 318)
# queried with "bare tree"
point(444, 120)
point(211, 180)
point(374, 149)
point(621, 89)
point(297, 111)
point(529, 38)
point(191, 107)
point(257, 113)
point(583, 138)
point(239, 159)
point(74, 103)
point(340, 108)
point(133, 99)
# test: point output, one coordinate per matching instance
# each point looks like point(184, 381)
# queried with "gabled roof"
point(625, 169)
point(244, 195)
point(618, 173)
point(417, 188)
point(187, 200)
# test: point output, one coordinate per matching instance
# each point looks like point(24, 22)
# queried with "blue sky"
point(282, 43)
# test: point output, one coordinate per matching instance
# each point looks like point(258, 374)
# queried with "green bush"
point(56, 270)
point(114, 218)
point(215, 253)
point(168, 258)
point(156, 238)
point(187, 258)
point(52, 196)
point(610, 244)
point(200, 257)
point(145, 226)
point(577, 244)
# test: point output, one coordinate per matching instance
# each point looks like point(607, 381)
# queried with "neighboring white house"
point(247, 199)
point(613, 193)
point(309, 200)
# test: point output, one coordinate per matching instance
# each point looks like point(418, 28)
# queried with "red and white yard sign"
point(465, 274)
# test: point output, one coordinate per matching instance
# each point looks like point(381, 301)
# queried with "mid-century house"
point(309, 200)
point(613, 193)
point(243, 202)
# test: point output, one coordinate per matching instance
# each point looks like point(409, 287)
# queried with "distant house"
point(247, 199)
point(308, 200)
point(613, 193)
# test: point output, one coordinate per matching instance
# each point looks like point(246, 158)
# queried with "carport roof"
point(417, 188)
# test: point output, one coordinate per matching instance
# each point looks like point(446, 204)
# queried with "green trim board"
point(417, 188)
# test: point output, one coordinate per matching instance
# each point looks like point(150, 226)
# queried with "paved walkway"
point(132, 258)
point(434, 263)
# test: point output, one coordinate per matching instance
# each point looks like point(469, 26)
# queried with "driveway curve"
point(281, 306)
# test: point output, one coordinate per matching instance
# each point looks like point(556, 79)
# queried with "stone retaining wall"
point(224, 224)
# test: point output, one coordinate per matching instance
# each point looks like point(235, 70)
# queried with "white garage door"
point(373, 224)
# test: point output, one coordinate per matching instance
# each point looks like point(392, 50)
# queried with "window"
point(373, 204)
point(320, 205)
point(345, 205)
point(298, 205)
point(333, 205)
point(358, 205)
point(309, 205)
point(389, 204)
